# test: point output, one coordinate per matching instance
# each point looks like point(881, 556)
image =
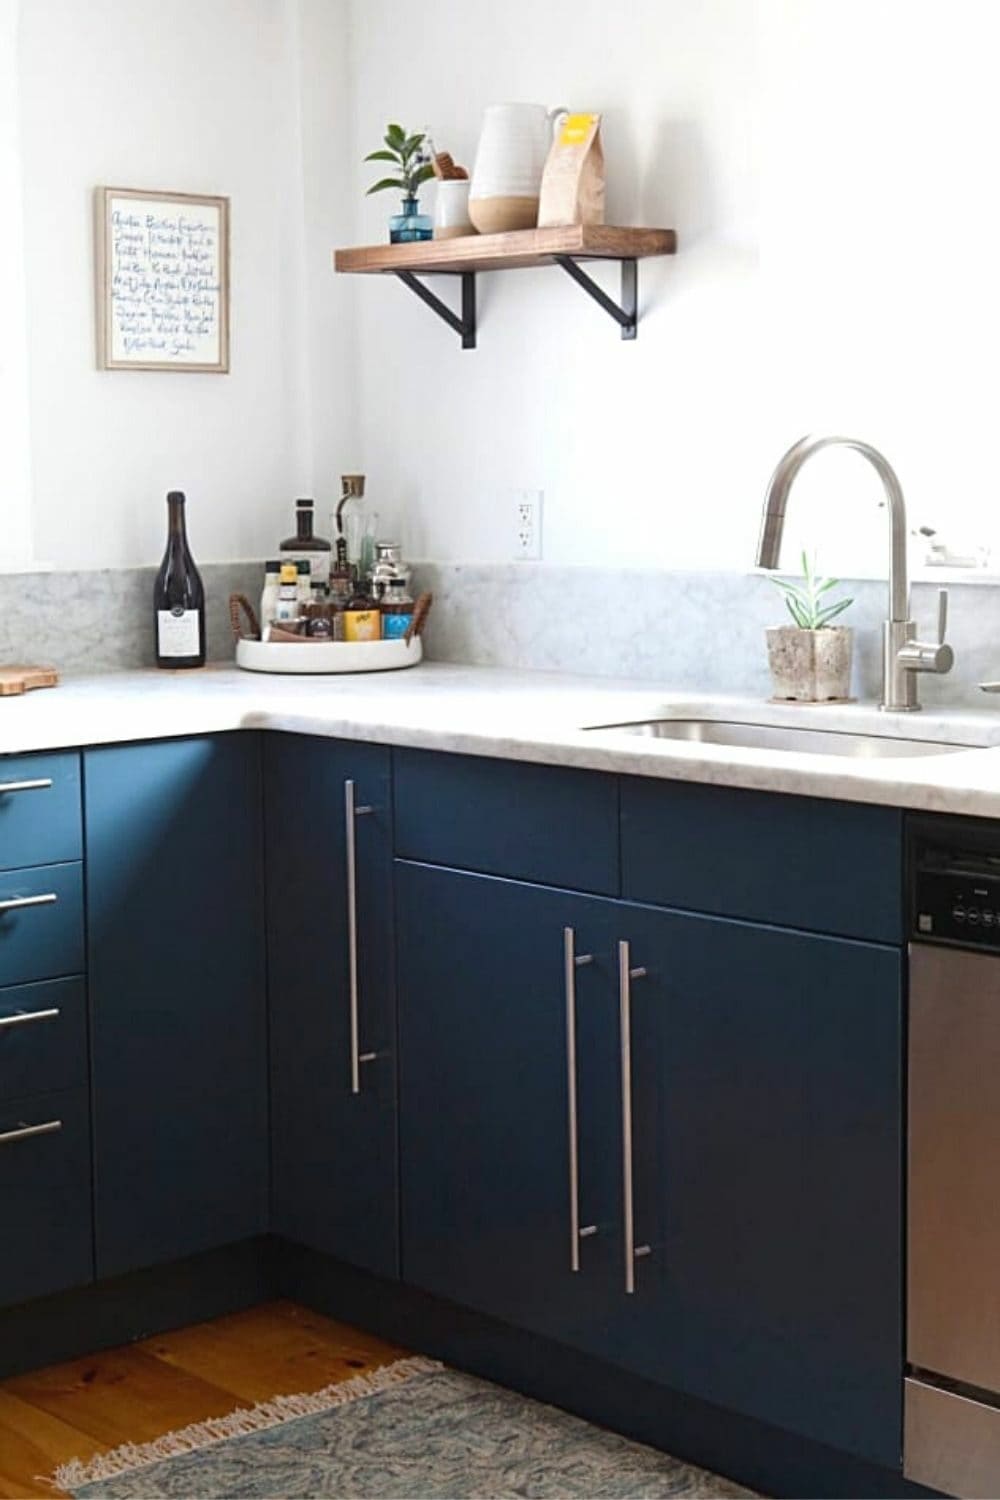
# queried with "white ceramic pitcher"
point(507, 176)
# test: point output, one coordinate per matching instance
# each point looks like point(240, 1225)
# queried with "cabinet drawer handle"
point(626, 973)
point(18, 903)
point(40, 785)
point(25, 1132)
point(571, 962)
point(26, 1017)
point(353, 810)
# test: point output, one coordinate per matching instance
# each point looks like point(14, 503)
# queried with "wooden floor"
point(139, 1392)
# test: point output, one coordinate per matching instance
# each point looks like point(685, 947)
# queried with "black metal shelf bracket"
point(626, 315)
point(464, 325)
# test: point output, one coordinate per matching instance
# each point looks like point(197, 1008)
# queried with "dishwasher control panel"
point(954, 889)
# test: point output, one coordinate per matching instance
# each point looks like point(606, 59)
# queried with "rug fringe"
point(244, 1420)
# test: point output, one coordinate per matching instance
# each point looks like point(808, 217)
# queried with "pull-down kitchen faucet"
point(903, 656)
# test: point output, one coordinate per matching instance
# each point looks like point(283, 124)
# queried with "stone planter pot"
point(810, 666)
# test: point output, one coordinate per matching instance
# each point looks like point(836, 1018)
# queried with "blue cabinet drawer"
point(41, 923)
point(47, 1240)
point(830, 867)
point(43, 1038)
point(40, 817)
point(548, 824)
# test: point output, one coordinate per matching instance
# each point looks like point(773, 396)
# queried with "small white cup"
point(451, 209)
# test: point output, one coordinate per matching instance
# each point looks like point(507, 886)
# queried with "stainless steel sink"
point(782, 737)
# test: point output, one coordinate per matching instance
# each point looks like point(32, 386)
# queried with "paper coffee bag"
point(573, 180)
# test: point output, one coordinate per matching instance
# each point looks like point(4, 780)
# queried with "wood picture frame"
point(162, 280)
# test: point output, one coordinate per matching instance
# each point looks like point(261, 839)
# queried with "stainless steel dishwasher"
point(952, 1388)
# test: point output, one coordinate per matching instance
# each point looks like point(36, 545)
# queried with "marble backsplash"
point(690, 631)
point(101, 621)
point(684, 630)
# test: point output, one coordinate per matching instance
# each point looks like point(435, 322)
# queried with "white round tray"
point(331, 656)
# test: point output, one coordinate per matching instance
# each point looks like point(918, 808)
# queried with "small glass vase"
point(410, 225)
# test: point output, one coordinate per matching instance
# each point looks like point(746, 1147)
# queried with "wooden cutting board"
point(16, 680)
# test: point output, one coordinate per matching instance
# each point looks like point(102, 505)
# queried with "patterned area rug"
point(413, 1431)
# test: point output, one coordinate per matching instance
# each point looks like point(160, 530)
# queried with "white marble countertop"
point(514, 715)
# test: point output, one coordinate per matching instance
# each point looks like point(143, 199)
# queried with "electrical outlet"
point(526, 517)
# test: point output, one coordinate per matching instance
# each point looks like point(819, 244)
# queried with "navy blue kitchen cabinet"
point(803, 862)
point(176, 968)
point(328, 819)
point(737, 1163)
point(46, 1241)
point(766, 1121)
point(485, 1095)
point(552, 824)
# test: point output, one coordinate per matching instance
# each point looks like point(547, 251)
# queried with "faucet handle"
point(919, 656)
point(942, 615)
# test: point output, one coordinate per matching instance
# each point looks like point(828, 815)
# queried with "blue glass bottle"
point(411, 224)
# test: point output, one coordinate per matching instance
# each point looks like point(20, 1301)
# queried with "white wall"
point(197, 96)
point(15, 457)
point(829, 166)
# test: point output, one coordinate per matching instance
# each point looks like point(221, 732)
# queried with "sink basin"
point(782, 737)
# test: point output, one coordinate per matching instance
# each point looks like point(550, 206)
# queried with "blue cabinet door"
point(176, 970)
point(766, 1145)
point(489, 1136)
point(328, 817)
point(741, 1154)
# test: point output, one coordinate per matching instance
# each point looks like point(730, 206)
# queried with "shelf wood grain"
point(517, 250)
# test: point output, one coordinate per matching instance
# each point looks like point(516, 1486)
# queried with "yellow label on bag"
point(576, 129)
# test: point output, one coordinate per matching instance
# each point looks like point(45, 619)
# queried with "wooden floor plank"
point(123, 1395)
point(271, 1354)
point(134, 1394)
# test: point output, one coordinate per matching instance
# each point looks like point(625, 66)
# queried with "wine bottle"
point(179, 597)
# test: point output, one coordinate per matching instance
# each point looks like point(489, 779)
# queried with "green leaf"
point(412, 142)
point(395, 134)
point(386, 182)
point(383, 156)
point(824, 616)
point(422, 174)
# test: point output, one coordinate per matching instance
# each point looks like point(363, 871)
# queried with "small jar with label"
point(319, 620)
point(287, 606)
point(397, 610)
point(362, 618)
point(304, 577)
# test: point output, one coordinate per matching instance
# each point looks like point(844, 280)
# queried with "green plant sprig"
point(408, 156)
point(807, 603)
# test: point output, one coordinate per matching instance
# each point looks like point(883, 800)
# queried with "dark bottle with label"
point(305, 545)
point(179, 597)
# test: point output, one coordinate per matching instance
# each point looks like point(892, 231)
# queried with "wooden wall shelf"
point(464, 257)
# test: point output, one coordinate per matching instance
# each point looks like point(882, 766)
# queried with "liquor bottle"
point(305, 545)
point(179, 597)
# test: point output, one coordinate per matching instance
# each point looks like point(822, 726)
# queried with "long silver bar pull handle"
point(25, 1132)
point(18, 903)
point(351, 811)
point(25, 1017)
point(39, 785)
point(625, 976)
point(571, 962)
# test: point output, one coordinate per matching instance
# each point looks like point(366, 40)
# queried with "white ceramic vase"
point(451, 209)
point(510, 159)
point(810, 666)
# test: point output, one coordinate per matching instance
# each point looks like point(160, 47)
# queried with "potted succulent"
point(411, 159)
point(810, 661)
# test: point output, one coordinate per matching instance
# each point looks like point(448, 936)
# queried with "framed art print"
point(162, 281)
